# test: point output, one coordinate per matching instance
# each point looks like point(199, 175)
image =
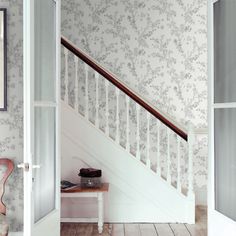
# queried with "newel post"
point(191, 137)
point(191, 196)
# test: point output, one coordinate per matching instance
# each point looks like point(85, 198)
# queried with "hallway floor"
point(82, 229)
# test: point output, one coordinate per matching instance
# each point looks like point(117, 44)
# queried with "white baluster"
point(86, 91)
point(117, 116)
point(66, 75)
point(148, 161)
point(158, 170)
point(127, 127)
point(76, 83)
point(190, 160)
point(178, 165)
point(168, 156)
point(138, 131)
point(97, 101)
point(107, 108)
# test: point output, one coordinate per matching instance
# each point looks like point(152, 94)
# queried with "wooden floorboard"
point(118, 230)
point(196, 230)
point(69, 229)
point(132, 229)
point(63, 232)
point(200, 228)
point(147, 230)
point(179, 230)
point(106, 230)
point(163, 230)
point(85, 229)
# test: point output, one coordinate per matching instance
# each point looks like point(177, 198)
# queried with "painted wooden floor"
point(199, 229)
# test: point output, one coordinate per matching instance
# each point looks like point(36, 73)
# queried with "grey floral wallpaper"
point(11, 121)
point(157, 47)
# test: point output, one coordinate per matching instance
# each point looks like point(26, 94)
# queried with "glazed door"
point(41, 118)
point(222, 152)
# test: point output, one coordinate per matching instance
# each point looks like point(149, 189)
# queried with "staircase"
point(146, 157)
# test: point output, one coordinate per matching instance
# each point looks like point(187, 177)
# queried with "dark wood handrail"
point(117, 83)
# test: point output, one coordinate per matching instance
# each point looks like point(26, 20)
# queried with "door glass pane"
point(225, 161)
point(45, 50)
point(224, 51)
point(44, 178)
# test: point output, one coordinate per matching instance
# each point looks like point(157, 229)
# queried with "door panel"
point(225, 161)
point(45, 50)
point(224, 51)
point(45, 157)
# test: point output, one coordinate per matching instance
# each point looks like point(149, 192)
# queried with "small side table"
point(88, 192)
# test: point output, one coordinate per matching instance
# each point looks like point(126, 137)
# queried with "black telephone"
point(66, 184)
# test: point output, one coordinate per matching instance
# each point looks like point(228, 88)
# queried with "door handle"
point(36, 166)
point(24, 166)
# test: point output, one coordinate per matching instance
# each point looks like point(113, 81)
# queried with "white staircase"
point(147, 181)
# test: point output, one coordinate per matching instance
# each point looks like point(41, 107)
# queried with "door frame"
point(218, 224)
point(28, 96)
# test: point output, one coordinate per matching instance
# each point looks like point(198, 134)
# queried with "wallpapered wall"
point(157, 47)
point(11, 121)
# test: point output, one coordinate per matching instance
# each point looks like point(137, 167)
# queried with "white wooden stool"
point(88, 192)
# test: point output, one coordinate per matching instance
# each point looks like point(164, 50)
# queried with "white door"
point(222, 118)
point(41, 135)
